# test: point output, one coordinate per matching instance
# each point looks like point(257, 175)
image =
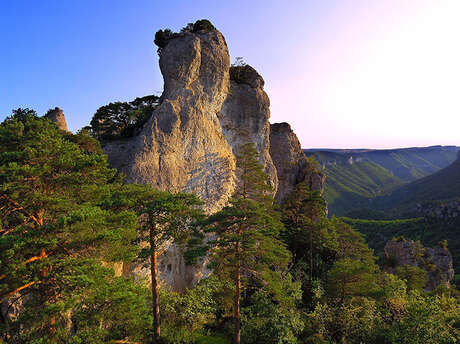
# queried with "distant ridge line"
point(364, 150)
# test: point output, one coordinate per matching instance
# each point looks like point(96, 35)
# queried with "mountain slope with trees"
point(355, 177)
point(440, 186)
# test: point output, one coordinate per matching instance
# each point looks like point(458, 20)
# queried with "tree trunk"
point(236, 305)
point(53, 329)
point(155, 293)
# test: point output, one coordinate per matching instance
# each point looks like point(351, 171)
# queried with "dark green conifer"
point(246, 249)
point(53, 226)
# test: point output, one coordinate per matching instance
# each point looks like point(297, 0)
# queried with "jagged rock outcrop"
point(244, 116)
point(436, 261)
point(291, 163)
point(182, 147)
point(207, 112)
point(56, 115)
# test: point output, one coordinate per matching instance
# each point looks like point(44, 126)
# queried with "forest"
point(279, 273)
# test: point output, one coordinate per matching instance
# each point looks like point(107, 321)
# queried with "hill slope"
point(355, 177)
point(442, 185)
point(434, 201)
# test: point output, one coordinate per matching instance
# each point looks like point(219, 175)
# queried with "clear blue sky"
point(345, 74)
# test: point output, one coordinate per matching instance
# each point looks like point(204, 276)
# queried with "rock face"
point(436, 261)
point(291, 163)
point(57, 116)
point(182, 147)
point(244, 116)
point(208, 111)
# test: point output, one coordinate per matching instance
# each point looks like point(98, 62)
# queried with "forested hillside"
point(442, 185)
point(355, 177)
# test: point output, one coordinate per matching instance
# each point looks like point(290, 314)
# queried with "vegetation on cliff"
point(122, 119)
point(162, 37)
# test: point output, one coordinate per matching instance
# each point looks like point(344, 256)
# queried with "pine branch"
point(11, 293)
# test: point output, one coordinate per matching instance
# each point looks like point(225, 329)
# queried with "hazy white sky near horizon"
point(383, 75)
point(344, 74)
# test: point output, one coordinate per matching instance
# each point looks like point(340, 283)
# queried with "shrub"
point(162, 37)
point(243, 74)
point(415, 277)
point(204, 25)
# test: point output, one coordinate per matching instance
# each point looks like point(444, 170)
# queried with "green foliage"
point(212, 339)
point(354, 321)
point(116, 303)
point(316, 243)
point(308, 236)
point(295, 275)
point(410, 318)
point(247, 229)
point(425, 320)
point(414, 276)
point(442, 185)
point(379, 232)
point(52, 216)
point(121, 120)
point(186, 314)
point(162, 37)
point(203, 25)
point(246, 249)
point(165, 217)
point(266, 321)
point(352, 277)
point(98, 298)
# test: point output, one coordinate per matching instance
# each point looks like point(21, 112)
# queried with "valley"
point(357, 177)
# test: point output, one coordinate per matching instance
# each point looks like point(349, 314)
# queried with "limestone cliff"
point(291, 163)
point(436, 261)
point(182, 147)
point(244, 116)
point(208, 110)
point(57, 116)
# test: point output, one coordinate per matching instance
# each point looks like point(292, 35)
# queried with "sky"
point(344, 74)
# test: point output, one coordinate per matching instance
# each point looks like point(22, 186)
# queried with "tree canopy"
point(122, 119)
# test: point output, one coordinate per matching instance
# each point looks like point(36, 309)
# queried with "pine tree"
point(304, 215)
point(245, 246)
point(164, 218)
point(52, 220)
